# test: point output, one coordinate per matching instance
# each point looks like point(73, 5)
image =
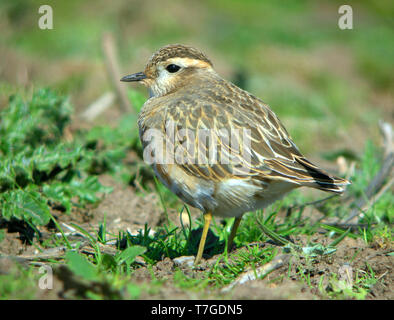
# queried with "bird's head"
point(170, 68)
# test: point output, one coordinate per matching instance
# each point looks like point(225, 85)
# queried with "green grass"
point(38, 169)
point(342, 289)
point(19, 283)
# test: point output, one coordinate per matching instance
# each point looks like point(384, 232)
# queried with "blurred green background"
point(329, 86)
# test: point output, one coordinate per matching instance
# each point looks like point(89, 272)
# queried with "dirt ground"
point(125, 210)
point(275, 285)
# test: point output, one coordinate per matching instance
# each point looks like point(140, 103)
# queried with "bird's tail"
point(321, 179)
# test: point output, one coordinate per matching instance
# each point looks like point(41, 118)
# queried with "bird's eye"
point(172, 68)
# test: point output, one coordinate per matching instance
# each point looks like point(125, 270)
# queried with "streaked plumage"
point(197, 98)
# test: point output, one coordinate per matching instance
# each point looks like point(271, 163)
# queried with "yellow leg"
point(207, 222)
point(236, 223)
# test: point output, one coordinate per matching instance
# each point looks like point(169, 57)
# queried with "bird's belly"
point(192, 190)
point(236, 196)
point(227, 198)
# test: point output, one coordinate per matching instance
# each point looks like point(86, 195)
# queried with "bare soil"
point(126, 209)
point(277, 285)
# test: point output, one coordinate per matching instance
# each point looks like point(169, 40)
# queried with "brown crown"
point(176, 51)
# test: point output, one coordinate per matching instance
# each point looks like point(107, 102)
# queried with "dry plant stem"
point(363, 203)
point(316, 203)
point(112, 65)
point(58, 252)
point(51, 253)
point(384, 189)
point(260, 272)
point(98, 106)
point(353, 226)
point(312, 203)
point(378, 195)
point(387, 133)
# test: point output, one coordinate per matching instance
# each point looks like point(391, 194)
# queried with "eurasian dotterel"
point(217, 147)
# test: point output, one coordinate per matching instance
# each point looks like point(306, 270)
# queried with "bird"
point(216, 146)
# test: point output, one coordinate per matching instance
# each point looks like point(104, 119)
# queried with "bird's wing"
point(222, 131)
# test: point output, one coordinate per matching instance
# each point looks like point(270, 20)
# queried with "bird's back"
point(213, 105)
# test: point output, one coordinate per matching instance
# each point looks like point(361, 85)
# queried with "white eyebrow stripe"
point(189, 62)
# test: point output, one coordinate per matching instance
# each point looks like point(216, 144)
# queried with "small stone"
point(184, 260)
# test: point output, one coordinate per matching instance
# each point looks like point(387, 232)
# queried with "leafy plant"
point(38, 169)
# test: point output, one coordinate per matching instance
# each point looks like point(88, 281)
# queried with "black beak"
point(134, 77)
